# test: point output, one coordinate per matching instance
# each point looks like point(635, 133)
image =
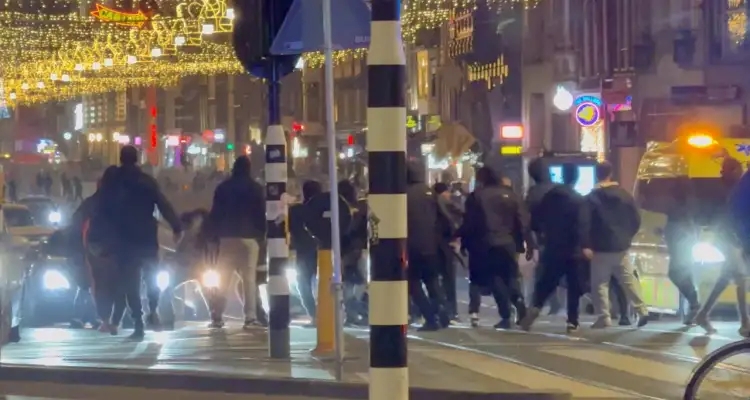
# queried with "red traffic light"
point(350, 140)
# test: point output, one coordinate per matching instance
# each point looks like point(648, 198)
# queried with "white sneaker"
point(602, 323)
point(474, 318)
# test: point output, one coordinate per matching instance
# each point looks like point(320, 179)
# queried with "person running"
point(734, 267)
point(614, 221)
point(562, 221)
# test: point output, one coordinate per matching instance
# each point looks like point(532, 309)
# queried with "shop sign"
point(220, 136)
point(511, 150)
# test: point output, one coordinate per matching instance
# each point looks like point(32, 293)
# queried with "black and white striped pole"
point(386, 146)
point(278, 248)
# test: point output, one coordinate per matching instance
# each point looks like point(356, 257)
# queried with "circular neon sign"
point(587, 114)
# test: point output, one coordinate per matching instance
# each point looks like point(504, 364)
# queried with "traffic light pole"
point(277, 246)
point(386, 146)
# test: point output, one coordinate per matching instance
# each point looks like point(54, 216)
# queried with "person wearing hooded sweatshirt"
point(237, 224)
point(562, 222)
point(423, 250)
point(729, 243)
point(494, 220)
point(613, 222)
point(124, 224)
point(305, 247)
point(539, 171)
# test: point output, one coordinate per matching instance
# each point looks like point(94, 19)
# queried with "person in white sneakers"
point(613, 221)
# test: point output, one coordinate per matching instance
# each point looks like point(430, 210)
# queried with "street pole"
point(277, 247)
point(336, 287)
point(386, 146)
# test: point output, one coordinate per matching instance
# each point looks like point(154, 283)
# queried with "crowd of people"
point(581, 242)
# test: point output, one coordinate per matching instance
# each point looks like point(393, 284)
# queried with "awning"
point(452, 140)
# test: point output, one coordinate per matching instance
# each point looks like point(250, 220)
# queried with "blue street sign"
point(302, 30)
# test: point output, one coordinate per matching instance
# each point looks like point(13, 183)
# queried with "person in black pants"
point(306, 248)
point(494, 221)
point(449, 220)
point(422, 250)
point(563, 222)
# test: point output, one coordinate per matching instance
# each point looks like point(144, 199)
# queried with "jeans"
point(605, 266)
point(240, 255)
point(131, 266)
point(556, 267)
point(680, 270)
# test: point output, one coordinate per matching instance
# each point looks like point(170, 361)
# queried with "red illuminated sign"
point(350, 140)
point(154, 136)
point(119, 17)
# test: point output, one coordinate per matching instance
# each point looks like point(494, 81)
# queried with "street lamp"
point(563, 99)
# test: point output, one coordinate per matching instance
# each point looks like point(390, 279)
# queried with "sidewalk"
point(197, 358)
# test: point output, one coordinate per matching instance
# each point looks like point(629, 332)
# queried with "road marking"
point(517, 374)
point(620, 392)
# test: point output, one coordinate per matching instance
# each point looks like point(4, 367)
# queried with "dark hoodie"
point(239, 206)
point(613, 219)
point(125, 211)
point(422, 213)
point(539, 172)
point(302, 240)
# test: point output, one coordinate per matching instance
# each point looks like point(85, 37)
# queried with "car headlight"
point(55, 217)
point(163, 280)
point(211, 279)
point(55, 280)
point(707, 253)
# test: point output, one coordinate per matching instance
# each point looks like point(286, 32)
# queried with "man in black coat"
point(305, 247)
point(561, 219)
point(423, 250)
point(124, 222)
point(237, 224)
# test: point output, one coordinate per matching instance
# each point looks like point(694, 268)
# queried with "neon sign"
point(587, 110)
point(120, 17)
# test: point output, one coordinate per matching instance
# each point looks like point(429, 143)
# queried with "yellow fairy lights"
point(419, 15)
point(52, 50)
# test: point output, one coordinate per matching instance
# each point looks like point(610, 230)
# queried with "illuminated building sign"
point(511, 132)
point(120, 17)
point(587, 114)
point(511, 150)
point(78, 112)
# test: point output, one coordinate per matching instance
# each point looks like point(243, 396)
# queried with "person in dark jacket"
point(449, 220)
point(132, 236)
point(680, 234)
point(494, 216)
point(353, 244)
point(539, 172)
point(423, 250)
point(77, 189)
point(237, 224)
point(613, 222)
point(306, 248)
point(561, 219)
point(734, 268)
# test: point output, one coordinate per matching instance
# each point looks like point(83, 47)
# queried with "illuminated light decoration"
point(229, 14)
point(96, 66)
point(53, 76)
point(78, 67)
point(563, 99)
point(91, 137)
point(207, 29)
point(587, 114)
point(513, 132)
point(24, 86)
point(40, 85)
point(12, 95)
point(511, 150)
point(131, 60)
point(179, 40)
point(119, 17)
point(156, 52)
point(154, 133)
point(65, 78)
point(99, 137)
point(108, 62)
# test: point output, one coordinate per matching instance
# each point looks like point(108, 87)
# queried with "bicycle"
point(710, 364)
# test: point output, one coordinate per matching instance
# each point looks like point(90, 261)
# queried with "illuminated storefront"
point(589, 114)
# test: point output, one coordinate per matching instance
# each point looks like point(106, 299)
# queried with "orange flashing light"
point(701, 141)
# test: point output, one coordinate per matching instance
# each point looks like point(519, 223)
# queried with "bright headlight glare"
point(55, 217)
point(291, 274)
point(211, 279)
point(162, 280)
point(55, 280)
point(707, 253)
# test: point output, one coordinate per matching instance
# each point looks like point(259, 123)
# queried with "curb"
point(150, 379)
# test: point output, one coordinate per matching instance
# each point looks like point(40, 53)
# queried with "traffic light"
point(230, 146)
point(256, 23)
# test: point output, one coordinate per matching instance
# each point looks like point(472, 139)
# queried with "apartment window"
point(423, 74)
